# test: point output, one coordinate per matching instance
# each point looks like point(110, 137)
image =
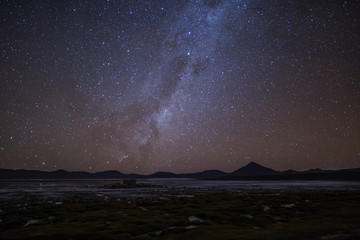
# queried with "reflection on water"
point(13, 188)
point(55, 189)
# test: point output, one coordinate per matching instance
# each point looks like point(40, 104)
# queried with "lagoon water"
point(55, 188)
point(76, 209)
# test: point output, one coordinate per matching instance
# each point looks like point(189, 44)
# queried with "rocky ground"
point(185, 214)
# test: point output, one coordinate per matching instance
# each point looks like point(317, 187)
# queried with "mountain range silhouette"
point(251, 171)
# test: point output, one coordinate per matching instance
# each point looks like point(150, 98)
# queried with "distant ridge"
point(206, 174)
point(251, 171)
point(163, 175)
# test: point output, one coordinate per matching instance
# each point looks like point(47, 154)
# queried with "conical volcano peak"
point(254, 168)
point(252, 163)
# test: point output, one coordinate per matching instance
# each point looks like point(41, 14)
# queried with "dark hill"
point(254, 169)
point(109, 174)
point(163, 175)
point(205, 174)
point(35, 174)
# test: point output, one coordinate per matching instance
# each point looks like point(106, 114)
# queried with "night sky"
point(180, 86)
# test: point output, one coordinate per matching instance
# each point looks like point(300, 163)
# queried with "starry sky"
point(180, 86)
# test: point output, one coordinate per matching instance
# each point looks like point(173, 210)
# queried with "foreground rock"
point(205, 215)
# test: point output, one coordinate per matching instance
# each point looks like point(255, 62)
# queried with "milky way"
point(181, 86)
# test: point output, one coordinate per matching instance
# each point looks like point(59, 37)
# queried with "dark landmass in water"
point(251, 171)
point(138, 185)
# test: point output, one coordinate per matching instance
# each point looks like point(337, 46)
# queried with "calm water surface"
point(16, 188)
